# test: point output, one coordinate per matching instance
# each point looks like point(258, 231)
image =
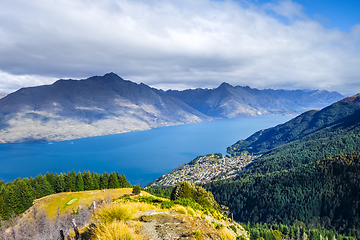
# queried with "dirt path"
point(172, 225)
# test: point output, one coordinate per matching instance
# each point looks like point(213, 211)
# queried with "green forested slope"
point(312, 136)
point(297, 128)
point(326, 193)
point(340, 138)
point(309, 170)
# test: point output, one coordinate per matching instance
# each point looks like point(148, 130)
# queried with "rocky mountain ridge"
point(229, 101)
point(70, 109)
point(102, 105)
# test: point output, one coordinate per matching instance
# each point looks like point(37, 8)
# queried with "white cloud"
point(287, 8)
point(9, 82)
point(174, 44)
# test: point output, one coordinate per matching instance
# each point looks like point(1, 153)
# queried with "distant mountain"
point(228, 101)
point(2, 95)
point(70, 109)
point(101, 105)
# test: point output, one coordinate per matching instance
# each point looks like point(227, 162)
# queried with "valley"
point(303, 172)
point(179, 120)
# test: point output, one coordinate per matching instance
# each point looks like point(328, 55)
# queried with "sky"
point(170, 44)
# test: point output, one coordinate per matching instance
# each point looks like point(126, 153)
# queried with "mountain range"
point(101, 105)
point(70, 109)
point(228, 101)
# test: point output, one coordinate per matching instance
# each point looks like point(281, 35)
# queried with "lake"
point(142, 156)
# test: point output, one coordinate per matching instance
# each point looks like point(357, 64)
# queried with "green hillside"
point(307, 123)
point(308, 171)
point(312, 136)
point(325, 194)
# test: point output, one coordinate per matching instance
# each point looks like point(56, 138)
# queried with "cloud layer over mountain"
point(175, 44)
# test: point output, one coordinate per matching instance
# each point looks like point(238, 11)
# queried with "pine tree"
point(113, 181)
point(96, 180)
point(11, 201)
point(123, 182)
point(70, 181)
point(60, 183)
point(24, 194)
point(43, 187)
point(104, 181)
point(79, 182)
point(51, 179)
point(88, 182)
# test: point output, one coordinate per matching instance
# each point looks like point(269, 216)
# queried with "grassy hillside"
point(125, 216)
point(71, 201)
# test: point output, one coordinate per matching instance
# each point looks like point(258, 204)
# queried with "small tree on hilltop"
point(136, 189)
point(197, 193)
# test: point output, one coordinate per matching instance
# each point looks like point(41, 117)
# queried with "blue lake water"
point(142, 156)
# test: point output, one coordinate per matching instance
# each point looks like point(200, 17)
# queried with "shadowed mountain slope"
point(228, 101)
point(71, 109)
point(101, 105)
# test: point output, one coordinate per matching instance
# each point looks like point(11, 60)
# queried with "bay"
point(142, 156)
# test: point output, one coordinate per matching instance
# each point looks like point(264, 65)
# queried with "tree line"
point(298, 230)
point(16, 197)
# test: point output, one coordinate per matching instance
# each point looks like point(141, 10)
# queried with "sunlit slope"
point(59, 201)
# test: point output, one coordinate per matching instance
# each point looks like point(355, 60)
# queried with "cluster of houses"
point(204, 169)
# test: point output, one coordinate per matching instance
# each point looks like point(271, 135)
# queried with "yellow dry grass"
point(59, 201)
point(226, 234)
point(180, 209)
point(121, 211)
point(116, 230)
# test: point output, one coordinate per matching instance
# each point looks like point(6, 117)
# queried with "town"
point(206, 168)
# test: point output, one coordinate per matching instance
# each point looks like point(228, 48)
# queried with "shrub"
point(149, 199)
point(197, 193)
point(187, 202)
point(136, 189)
point(167, 204)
